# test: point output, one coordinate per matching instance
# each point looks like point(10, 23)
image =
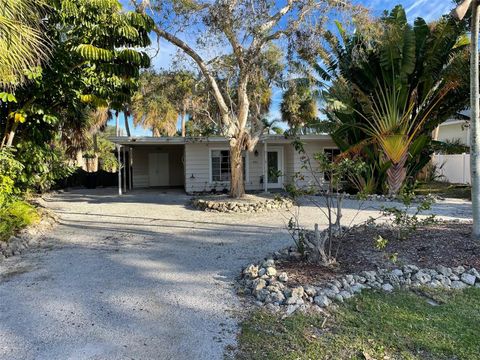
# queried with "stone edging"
point(271, 290)
point(29, 236)
point(242, 207)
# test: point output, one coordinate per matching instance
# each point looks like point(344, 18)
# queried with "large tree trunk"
point(237, 185)
point(184, 114)
point(396, 175)
point(127, 125)
point(475, 126)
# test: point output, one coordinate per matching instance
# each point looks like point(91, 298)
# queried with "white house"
point(453, 129)
point(453, 168)
point(200, 164)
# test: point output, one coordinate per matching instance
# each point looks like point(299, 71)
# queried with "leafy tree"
point(23, 43)
point(95, 63)
point(243, 29)
point(299, 106)
point(386, 93)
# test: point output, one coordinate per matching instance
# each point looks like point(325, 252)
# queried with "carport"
point(150, 163)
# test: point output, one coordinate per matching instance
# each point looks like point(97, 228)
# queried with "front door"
point(275, 167)
point(158, 169)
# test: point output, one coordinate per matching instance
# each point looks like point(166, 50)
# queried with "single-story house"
point(453, 130)
point(202, 164)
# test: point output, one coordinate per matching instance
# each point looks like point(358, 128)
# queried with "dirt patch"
point(446, 243)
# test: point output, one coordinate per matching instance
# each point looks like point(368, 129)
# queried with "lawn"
point(457, 191)
point(403, 325)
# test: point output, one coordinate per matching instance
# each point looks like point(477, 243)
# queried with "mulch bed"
point(445, 243)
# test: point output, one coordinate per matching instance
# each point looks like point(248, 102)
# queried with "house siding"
point(197, 165)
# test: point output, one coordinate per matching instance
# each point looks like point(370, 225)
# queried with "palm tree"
point(394, 126)
point(423, 62)
point(299, 107)
point(22, 41)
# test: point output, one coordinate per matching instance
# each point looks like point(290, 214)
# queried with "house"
point(453, 130)
point(202, 164)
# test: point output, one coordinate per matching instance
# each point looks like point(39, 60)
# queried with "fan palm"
point(393, 125)
point(22, 40)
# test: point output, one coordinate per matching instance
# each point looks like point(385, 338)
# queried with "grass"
point(374, 325)
point(457, 191)
point(15, 216)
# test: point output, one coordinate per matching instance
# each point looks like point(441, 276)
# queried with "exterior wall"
point(454, 131)
point(305, 177)
point(198, 167)
point(175, 162)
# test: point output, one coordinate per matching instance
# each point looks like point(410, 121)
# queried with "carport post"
point(124, 170)
point(119, 170)
point(130, 170)
point(265, 166)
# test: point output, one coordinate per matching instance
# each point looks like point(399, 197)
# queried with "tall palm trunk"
point(127, 125)
point(183, 116)
point(475, 136)
point(396, 175)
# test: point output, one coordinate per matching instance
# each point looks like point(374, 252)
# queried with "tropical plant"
point(23, 41)
point(299, 106)
point(383, 92)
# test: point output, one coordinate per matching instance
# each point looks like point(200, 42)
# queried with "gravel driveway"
point(138, 277)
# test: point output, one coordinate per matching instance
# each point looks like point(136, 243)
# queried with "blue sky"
point(428, 9)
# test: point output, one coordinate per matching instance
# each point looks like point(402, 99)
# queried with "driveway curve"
point(140, 276)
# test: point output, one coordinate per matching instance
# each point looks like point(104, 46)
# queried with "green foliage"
point(14, 216)
point(448, 147)
point(421, 63)
point(406, 219)
point(374, 325)
point(43, 165)
point(10, 170)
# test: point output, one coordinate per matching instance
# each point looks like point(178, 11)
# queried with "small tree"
point(328, 178)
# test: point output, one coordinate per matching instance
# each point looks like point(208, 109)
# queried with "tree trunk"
point(11, 134)
point(237, 186)
point(396, 175)
point(474, 122)
point(184, 114)
point(127, 125)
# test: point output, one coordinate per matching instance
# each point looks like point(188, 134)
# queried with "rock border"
point(234, 206)
point(28, 237)
point(271, 290)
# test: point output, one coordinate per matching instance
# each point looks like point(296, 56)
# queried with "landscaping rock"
point(322, 301)
point(271, 271)
point(459, 285)
point(468, 279)
point(387, 287)
point(422, 277)
point(273, 290)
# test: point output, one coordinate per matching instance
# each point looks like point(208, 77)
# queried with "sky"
point(427, 9)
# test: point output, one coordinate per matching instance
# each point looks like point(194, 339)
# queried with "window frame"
point(210, 169)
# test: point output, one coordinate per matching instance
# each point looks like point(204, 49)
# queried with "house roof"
point(178, 140)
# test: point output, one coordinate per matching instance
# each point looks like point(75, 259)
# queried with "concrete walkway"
point(139, 277)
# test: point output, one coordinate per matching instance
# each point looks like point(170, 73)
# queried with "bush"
point(15, 216)
point(10, 170)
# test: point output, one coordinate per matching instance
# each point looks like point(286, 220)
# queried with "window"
point(220, 169)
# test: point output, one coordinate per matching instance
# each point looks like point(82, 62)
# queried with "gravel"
point(140, 276)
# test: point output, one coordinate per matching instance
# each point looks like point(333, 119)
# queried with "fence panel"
point(454, 169)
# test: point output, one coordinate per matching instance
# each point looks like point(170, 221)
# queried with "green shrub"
point(10, 170)
point(14, 216)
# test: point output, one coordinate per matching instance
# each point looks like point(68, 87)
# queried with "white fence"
point(454, 169)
